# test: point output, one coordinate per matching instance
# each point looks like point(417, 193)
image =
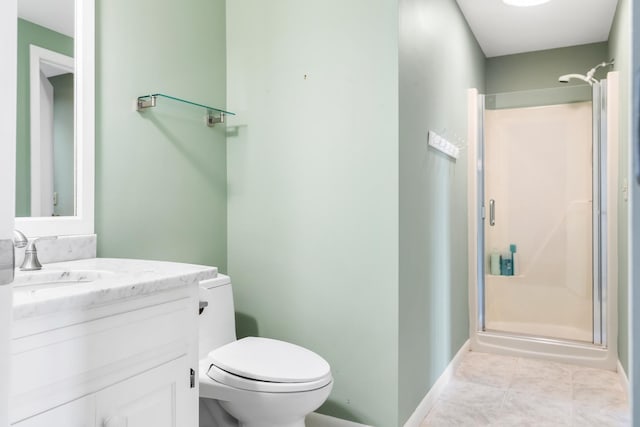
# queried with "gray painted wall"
point(439, 60)
point(634, 265)
point(541, 69)
point(160, 175)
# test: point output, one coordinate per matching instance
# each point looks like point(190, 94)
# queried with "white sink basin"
point(43, 279)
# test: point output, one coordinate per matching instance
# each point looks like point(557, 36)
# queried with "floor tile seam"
point(532, 420)
point(616, 396)
point(561, 401)
point(615, 388)
point(505, 393)
point(541, 394)
point(471, 383)
point(461, 405)
point(480, 382)
point(573, 392)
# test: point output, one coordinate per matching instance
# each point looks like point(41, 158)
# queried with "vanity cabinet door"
point(79, 413)
point(158, 398)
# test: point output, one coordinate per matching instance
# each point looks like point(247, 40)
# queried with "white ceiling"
point(500, 29)
point(504, 30)
point(57, 15)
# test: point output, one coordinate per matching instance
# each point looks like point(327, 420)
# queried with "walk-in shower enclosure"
point(542, 222)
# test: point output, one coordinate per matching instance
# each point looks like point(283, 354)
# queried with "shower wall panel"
point(538, 168)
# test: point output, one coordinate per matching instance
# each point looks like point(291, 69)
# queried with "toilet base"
point(258, 418)
point(213, 415)
point(259, 424)
point(232, 407)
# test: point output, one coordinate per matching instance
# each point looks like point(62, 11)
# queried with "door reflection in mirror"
point(52, 135)
point(45, 137)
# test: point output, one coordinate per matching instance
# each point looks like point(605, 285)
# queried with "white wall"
point(8, 43)
point(8, 39)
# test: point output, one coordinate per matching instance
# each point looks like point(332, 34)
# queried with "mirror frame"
point(84, 89)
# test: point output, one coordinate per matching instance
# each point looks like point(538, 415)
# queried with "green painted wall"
point(313, 188)
point(634, 219)
point(30, 33)
point(160, 175)
point(439, 61)
point(63, 143)
point(541, 69)
point(620, 49)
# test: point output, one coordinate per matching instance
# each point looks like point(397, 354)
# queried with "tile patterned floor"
point(494, 390)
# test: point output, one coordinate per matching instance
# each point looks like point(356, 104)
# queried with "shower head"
point(588, 77)
point(567, 77)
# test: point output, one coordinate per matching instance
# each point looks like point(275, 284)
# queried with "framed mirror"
point(55, 117)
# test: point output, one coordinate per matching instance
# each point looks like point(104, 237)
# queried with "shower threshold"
point(559, 350)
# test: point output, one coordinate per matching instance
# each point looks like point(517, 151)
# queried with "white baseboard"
point(434, 393)
point(624, 380)
point(318, 420)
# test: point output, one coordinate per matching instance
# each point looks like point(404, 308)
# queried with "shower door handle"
point(636, 120)
point(492, 212)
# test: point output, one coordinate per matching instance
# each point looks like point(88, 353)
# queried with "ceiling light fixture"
point(524, 3)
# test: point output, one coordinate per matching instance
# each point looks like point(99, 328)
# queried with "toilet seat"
point(263, 364)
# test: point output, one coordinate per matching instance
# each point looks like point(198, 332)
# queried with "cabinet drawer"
point(79, 413)
point(158, 397)
point(58, 366)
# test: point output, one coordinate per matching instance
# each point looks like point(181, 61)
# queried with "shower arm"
point(592, 71)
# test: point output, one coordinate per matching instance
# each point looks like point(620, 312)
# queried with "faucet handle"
point(19, 239)
point(31, 261)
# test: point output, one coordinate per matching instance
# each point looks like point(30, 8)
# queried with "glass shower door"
point(538, 190)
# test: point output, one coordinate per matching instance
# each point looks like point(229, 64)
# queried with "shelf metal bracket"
point(145, 102)
point(212, 120)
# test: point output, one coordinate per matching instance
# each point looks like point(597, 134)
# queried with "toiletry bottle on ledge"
point(494, 263)
point(506, 265)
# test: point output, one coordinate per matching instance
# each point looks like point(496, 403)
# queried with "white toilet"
point(253, 382)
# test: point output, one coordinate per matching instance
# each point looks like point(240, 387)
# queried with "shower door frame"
point(603, 351)
point(598, 215)
point(599, 218)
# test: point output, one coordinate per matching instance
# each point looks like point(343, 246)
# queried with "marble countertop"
point(85, 283)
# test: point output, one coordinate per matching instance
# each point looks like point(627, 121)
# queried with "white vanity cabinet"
point(126, 363)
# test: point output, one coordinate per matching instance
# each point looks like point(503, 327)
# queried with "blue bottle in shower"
point(506, 265)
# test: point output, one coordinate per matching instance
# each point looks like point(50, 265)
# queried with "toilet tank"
point(217, 323)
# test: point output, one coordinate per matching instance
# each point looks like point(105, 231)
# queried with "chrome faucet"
point(31, 261)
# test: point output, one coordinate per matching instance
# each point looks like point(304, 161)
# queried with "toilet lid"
point(236, 381)
point(265, 359)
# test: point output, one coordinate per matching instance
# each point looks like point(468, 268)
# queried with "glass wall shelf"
point(214, 115)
